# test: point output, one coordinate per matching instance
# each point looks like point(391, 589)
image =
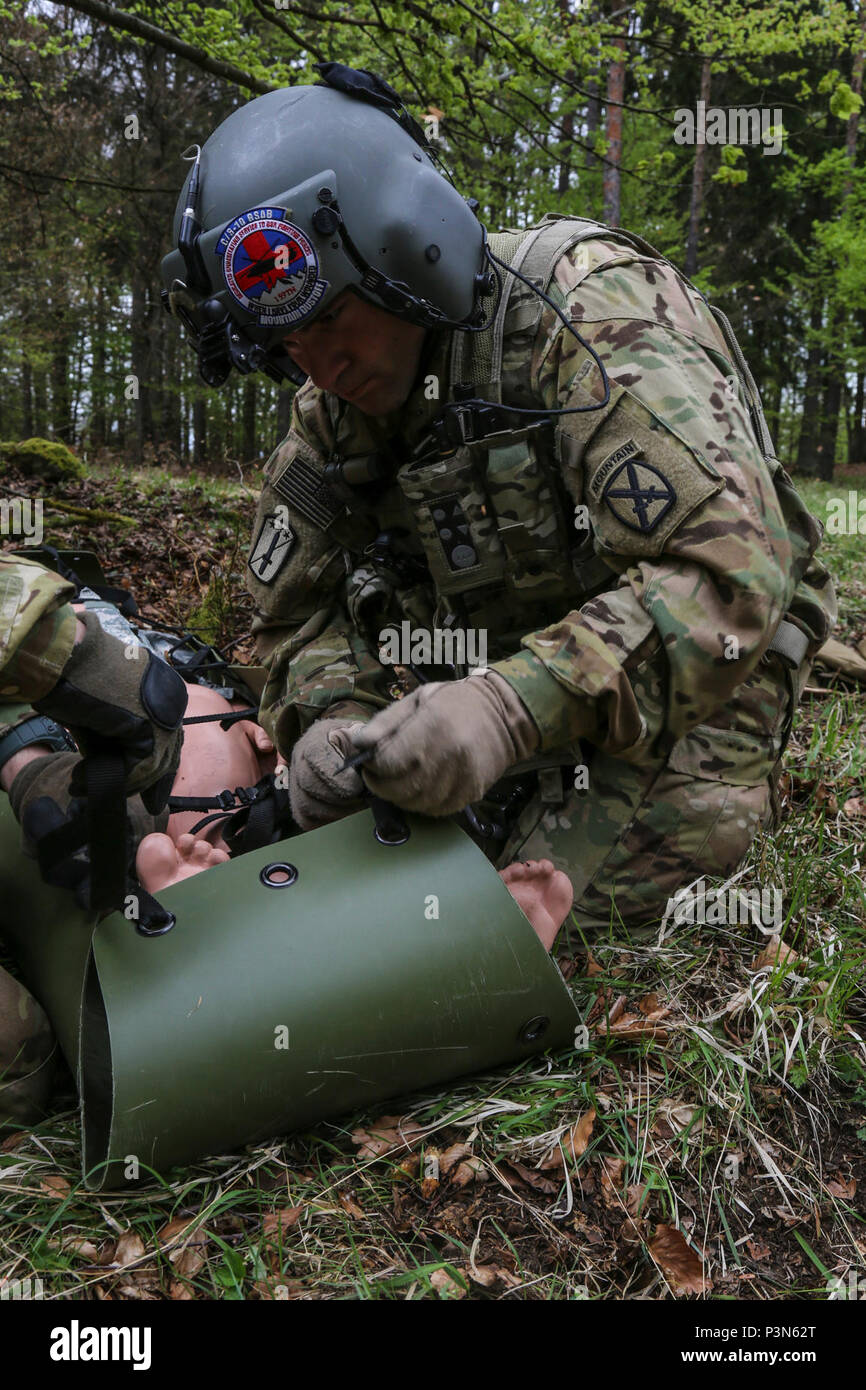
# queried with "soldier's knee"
point(28, 1054)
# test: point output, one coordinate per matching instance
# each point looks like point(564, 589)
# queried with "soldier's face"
point(360, 353)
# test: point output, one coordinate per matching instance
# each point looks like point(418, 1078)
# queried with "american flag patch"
point(302, 485)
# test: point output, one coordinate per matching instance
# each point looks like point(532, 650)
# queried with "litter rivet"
point(534, 1029)
point(269, 872)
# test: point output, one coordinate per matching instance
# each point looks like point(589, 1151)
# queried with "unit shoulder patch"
point(272, 547)
point(638, 494)
point(642, 490)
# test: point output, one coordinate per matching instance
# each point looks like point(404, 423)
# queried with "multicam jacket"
point(629, 564)
point(37, 633)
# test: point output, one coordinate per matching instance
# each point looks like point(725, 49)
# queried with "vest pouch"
point(529, 522)
point(455, 521)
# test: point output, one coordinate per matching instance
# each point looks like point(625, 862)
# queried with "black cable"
point(525, 410)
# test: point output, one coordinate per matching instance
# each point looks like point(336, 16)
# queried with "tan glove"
point(446, 743)
point(318, 791)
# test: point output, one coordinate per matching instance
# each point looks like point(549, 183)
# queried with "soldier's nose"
point(327, 366)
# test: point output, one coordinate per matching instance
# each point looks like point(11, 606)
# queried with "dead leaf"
point(81, 1246)
point(611, 1176)
point(13, 1141)
point(446, 1286)
point(408, 1168)
point(453, 1156)
point(826, 799)
point(129, 1248)
point(634, 1026)
point(757, 1249)
point(472, 1170)
point(592, 965)
point(573, 1143)
point(490, 1275)
point(776, 953)
point(530, 1176)
point(350, 1206)
point(278, 1222)
point(179, 1293)
point(188, 1262)
point(634, 1202)
point(672, 1118)
point(678, 1262)
point(171, 1233)
point(845, 1189)
point(391, 1132)
point(855, 807)
point(56, 1185)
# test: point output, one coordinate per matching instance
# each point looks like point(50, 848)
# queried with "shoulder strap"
point(535, 253)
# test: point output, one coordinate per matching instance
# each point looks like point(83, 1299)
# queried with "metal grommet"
point(168, 920)
point(534, 1029)
point(398, 834)
point(267, 875)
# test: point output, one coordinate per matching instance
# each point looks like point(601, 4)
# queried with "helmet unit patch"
point(270, 266)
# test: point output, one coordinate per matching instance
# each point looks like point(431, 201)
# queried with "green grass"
point(743, 1127)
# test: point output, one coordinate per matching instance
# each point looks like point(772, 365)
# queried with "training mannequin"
point(213, 758)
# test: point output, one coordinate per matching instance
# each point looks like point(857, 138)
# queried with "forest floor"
point(710, 1141)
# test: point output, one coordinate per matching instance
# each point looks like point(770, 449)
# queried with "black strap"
point(104, 780)
point(225, 720)
point(101, 825)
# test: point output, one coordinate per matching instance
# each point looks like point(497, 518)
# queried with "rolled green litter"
point(282, 996)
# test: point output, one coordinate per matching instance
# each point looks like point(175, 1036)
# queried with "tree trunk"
point(27, 399)
point(97, 381)
point(141, 368)
point(807, 444)
point(697, 199)
point(199, 432)
point(829, 428)
point(284, 415)
point(248, 448)
point(615, 94)
point(856, 433)
point(40, 402)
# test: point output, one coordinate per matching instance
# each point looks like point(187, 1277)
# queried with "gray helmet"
point(302, 193)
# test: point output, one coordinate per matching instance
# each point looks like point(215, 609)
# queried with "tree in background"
point(538, 105)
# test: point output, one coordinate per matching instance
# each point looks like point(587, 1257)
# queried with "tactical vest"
point(493, 517)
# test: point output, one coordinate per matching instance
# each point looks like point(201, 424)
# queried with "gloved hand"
point(138, 704)
point(446, 743)
point(318, 791)
point(42, 802)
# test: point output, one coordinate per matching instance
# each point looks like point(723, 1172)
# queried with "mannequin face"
point(360, 353)
point(213, 759)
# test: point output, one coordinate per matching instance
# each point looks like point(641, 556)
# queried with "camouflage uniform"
point(37, 633)
point(639, 644)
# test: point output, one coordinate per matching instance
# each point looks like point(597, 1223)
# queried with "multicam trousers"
point(28, 1054)
point(635, 834)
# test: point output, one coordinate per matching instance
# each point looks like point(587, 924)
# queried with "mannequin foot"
point(544, 894)
point(160, 862)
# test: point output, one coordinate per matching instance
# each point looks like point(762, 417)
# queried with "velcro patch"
point(271, 548)
point(639, 495)
point(604, 470)
point(304, 487)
